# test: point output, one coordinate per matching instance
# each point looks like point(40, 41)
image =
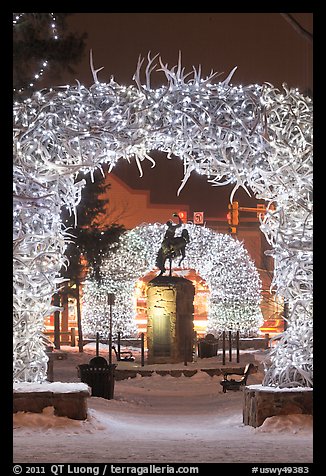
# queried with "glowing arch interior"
point(234, 283)
point(255, 136)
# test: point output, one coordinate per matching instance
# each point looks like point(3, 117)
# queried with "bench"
point(232, 384)
point(91, 341)
point(123, 356)
point(54, 355)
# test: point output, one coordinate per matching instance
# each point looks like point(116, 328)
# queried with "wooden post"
point(266, 341)
point(97, 343)
point(238, 346)
point(110, 337)
point(230, 346)
point(80, 331)
point(110, 303)
point(50, 369)
point(223, 346)
point(73, 337)
point(119, 345)
point(56, 302)
point(64, 313)
point(142, 355)
point(185, 349)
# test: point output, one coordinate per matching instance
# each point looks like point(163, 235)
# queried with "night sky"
point(264, 47)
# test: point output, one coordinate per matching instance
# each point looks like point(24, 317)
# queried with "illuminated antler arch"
point(253, 136)
point(223, 262)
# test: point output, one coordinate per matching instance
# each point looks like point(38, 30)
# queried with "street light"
point(110, 303)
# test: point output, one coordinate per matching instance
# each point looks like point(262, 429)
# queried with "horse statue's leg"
point(162, 268)
point(160, 261)
point(170, 262)
point(183, 254)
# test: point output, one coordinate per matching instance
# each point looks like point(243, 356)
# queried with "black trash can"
point(99, 375)
point(207, 347)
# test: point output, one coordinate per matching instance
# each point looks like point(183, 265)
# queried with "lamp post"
point(56, 302)
point(110, 303)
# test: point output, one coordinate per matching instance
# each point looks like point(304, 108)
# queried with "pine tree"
point(91, 240)
point(41, 43)
point(91, 237)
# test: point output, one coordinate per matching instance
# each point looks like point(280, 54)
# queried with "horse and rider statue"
point(172, 246)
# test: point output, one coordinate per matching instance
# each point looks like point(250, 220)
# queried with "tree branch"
point(298, 28)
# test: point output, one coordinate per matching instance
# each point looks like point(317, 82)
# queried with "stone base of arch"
point(170, 313)
point(264, 402)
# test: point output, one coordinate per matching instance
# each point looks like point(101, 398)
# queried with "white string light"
point(255, 137)
point(37, 76)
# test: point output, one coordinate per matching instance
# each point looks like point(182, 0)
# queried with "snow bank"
point(295, 423)
point(43, 420)
point(55, 387)
point(264, 388)
point(28, 422)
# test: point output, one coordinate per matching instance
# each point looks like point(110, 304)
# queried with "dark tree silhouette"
point(89, 242)
point(91, 238)
point(42, 45)
point(305, 34)
point(297, 27)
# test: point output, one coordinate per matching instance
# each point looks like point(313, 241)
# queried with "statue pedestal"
point(170, 328)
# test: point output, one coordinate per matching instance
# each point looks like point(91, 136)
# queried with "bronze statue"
point(172, 246)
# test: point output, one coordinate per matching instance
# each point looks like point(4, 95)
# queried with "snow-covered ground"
point(161, 419)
